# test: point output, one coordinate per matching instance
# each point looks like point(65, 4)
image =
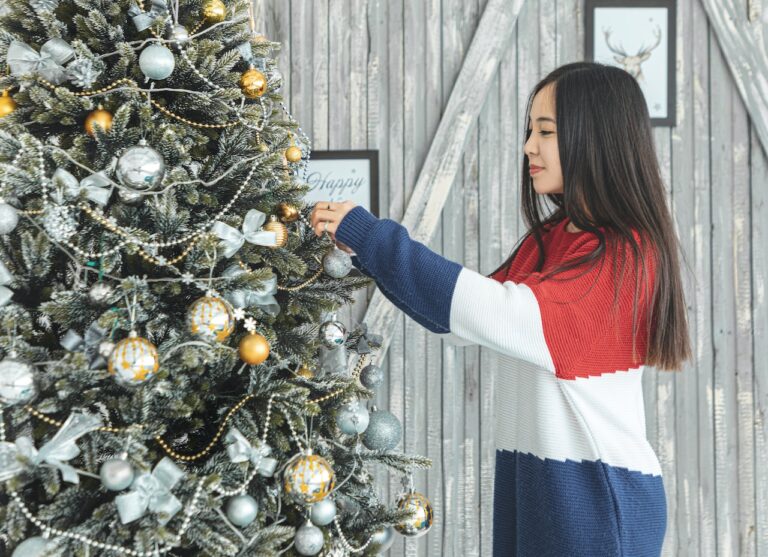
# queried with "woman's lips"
point(533, 169)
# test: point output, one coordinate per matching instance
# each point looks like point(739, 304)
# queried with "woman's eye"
point(544, 132)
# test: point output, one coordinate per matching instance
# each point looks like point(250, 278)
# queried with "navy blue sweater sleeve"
point(417, 280)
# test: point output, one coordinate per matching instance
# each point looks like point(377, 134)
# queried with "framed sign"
point(344, 175)
point(638, 36)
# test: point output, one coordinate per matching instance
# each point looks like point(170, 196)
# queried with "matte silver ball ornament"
point(9, 218)
point(384, 431)
point(100, 292)
point(337, 263)
point(242, 510)
point(116, 474)
point(371, 376)
point(157, 62)
point(352, 417)
point(309, 539)
point(384, 538)
point(323, 512)
point(140, 168)
point(17, 381)
point(333, 334)
point(33, 547)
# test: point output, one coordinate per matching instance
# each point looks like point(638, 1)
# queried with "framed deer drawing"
point(638, 36)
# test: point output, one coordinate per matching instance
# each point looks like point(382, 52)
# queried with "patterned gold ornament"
point(99, 116)
point(254, 349)
point(281, 232)
point(293, 154)
point(253, 83)
point(7, 104)
point(422, 517)
point(133, 361)
point(304, 371)
point(288, 212)
point(308, 478)
point(211, 318)
point(214, 11)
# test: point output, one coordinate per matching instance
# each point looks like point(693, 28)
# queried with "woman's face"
point(541, 147)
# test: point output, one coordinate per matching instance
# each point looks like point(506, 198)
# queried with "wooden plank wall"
point(376, 74)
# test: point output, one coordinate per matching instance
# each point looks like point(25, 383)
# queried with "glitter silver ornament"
point(384, 538)
point(9, 218)
point(333, 333)
point(180, 34)
point(59, 222)
point(384, 431)
point(337, 263)
point(116, 474)
point(242, 510)
point(105, 348)
point(33, 547)
point(83, 73)
point(17, 381)
point(157, 62)
point(352, 418)
point(140, 168)
point(371, 376)
point(100, 292)
point(309, 539)
point(323, 512)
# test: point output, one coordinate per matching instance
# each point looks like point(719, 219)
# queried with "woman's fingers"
point(320, 228)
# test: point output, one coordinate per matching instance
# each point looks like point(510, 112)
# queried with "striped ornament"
point(133, 361)
point(210, 318)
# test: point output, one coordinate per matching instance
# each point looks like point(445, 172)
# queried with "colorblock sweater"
point(574, 474)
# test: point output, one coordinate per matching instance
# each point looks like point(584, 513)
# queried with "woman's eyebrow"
point(542, 119)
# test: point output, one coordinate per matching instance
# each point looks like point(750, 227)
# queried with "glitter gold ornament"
point(293, 154)
point(288, 212)
point(133, 361)
point(253, 349)
point(308, 478)
point(7, 104)
point(211, 318)
point(304, 371)
point(99, 116)
point(422, 518)
point(281, 232)
point(214, 11)
point(253, 83)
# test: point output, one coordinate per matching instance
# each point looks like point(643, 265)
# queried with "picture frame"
point(344, 175)
point(640, 37)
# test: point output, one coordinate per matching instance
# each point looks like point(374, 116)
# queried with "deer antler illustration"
point(632, 62)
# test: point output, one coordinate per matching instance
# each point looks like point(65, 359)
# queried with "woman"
point(590, 296)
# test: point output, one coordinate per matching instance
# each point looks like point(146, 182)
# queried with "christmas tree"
point(173, 379)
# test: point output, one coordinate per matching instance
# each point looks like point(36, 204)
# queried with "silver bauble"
point(384, 538)
point(337, 263)
point(116, 474)
point(180, 34)
point(59, 221)
point(384, 431)
point(333, 333)
point(33, 547)
point(352, 418)
point(17, 381)
point(157, 62)
point(323, 512)
point(9, 218)
point(309, 539)
point(242, 510)
point(371, 376)
point(140, 168)
point(100, 292)
point(105, 348)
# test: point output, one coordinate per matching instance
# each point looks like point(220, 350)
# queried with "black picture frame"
point(671, 43)
point(373, 176)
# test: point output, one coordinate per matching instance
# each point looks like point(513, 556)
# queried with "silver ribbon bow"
point(232, 239)
point(94, 334)
point(152, 492)
point(48, 63)
point(16, 457)
point(96, 187)
point(143, 20)
point(6, 278)
point(263, 297)
point(240, 449)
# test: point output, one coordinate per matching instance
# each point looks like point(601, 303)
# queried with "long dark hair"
point(611, 181)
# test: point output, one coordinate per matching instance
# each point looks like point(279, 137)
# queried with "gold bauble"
point(308, 478)
point(288, 212)
point(253, 83)
point(133, 361)
point(211, 318)
point(254, 349)
point(7, 104)
point(422, 519)
point(281, 232)
point(304, 371)
point(293, 154)
point(214, 11)
point(99, 116)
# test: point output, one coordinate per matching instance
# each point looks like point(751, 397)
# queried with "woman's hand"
point(326, 217)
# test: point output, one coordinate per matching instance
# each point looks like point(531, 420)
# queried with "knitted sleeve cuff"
point(355, 228)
